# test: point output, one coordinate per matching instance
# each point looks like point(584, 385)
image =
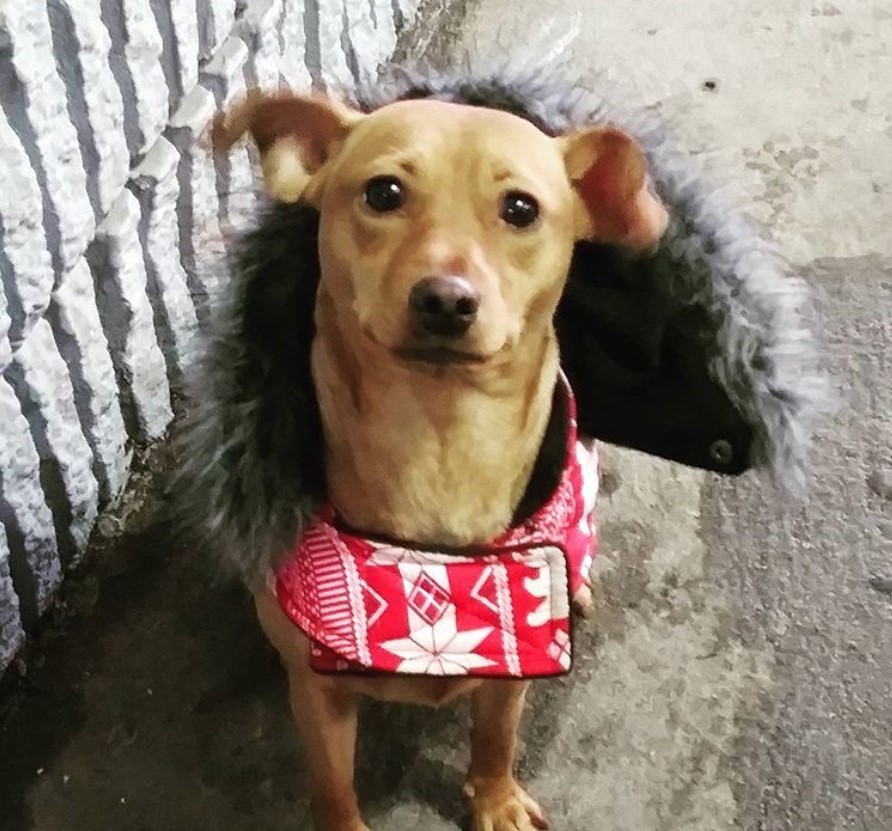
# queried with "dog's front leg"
point(325, 711)
point(498, 803)
point(326, 717)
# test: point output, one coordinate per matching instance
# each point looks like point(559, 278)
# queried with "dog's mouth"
point(437, 355)
point(432, 354)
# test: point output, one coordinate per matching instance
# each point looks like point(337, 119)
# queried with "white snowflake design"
point(440, 649)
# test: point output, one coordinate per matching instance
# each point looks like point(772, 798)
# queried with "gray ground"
point(739, 671)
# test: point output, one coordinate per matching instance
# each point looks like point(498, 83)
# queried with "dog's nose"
point(444, 306)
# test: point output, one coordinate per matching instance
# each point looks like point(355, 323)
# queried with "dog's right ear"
point(295, 135)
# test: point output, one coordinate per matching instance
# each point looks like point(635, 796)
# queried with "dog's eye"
point(384, 194)
point(519, 209)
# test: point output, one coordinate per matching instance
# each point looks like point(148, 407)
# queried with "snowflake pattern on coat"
point(500, 610)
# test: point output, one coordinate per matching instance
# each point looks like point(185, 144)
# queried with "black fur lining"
point(251, 444)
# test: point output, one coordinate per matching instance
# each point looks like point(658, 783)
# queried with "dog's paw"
point(584, 602)
point(506, 807)
point(358, 825)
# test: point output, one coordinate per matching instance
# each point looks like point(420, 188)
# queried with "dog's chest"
point(432, 470)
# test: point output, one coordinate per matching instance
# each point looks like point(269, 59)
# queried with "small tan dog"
point(445, 240)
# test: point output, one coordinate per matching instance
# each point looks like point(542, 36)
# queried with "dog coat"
point(497, 610)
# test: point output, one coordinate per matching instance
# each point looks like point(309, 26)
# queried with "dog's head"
point(446, 230)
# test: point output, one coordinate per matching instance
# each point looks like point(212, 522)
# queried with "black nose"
point(444, 306)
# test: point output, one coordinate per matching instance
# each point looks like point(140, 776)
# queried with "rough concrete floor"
point(738, 673)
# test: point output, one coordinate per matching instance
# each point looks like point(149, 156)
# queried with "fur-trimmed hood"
point(698, 351)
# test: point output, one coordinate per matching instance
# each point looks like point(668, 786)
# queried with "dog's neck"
point(434, 455)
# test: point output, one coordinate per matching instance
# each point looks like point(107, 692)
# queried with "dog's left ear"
point(609, 172)
point(296, 136)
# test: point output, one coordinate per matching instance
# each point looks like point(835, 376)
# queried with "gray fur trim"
point(251, 450)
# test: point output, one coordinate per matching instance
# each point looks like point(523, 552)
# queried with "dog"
point(446, 233)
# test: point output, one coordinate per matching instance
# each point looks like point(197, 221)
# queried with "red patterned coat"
point(500, 610)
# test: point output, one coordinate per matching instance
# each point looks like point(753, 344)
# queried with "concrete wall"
point(112, 216)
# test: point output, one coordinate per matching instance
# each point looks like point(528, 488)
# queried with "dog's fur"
point(430, 438)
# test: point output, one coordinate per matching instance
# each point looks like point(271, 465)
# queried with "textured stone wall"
point(112, 217)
